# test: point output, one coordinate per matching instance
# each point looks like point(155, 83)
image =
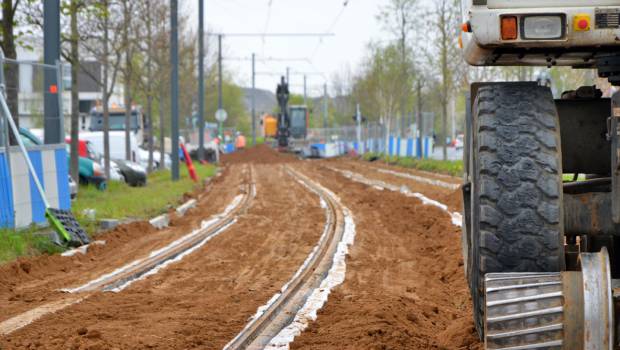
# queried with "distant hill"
point(265, 100)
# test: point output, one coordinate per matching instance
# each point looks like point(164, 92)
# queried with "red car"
point(85, 149)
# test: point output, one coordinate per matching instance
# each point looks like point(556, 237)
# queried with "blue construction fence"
point(228, 148)
point(396, 146)
point(21, 205)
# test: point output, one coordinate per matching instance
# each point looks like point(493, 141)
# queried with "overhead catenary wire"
point(268, 59)
point(266, 25)
point(331, 27)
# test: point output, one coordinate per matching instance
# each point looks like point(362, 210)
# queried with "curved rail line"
point(281, 310)
point(131, 272)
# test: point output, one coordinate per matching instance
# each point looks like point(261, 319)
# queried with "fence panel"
point(26, 93)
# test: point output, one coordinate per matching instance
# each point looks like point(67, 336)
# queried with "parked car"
point(132, 173)
point(86, 149)
point(73, 188)
point(115, 172)
point(144, 157)
point(120, 170)
point(117, 144)
point(90, 172)
point(459, 142)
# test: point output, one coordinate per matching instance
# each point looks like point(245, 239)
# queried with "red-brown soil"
point(451, 198)
point(30, 282)
point(405, 286)
point(204, 300)
point(260, 154)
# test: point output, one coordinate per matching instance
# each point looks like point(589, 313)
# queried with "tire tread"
point(517, 155)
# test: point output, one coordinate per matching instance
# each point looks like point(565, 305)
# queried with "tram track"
point(268, 328)
point(122, 277)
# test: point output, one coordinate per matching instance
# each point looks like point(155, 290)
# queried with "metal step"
point(524, 311)
point(571, 310)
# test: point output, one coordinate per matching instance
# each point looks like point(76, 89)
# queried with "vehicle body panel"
point(270, 125)
point(117, 121)
point(134, 174)
point(117, 144)
point(73, 188)
point(483, 46)
point(86, 167)
point(547, 3)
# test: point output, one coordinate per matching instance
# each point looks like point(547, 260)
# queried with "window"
point(66, 77)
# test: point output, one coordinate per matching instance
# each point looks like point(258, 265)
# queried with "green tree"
point(378, 86)
point(8, 43)
point(399, 18)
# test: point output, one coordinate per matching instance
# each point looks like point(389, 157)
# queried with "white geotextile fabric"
point(422, 179)
point(318, 297)
point(204, 225)
point(457, 218)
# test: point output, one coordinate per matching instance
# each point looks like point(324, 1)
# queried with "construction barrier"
point(401, 147)
point(21, 204)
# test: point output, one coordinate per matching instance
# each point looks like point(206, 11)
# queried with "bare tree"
point(8, 43)
point(147, 49)
point(33, 11)
point(149, 83)
point(446, 23)
point(378, 86)
point(103, 44)
point(341, 86)
point(160, 60)
point(74, 59)
point(127, 69)
point(398, 16)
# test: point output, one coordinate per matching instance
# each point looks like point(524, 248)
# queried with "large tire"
point(515, 169)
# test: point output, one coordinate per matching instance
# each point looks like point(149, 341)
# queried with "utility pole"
point(52, 123)
point(420, 121)
point(305, 91)
point(220, 104)
point(201, 82)
point(358, 119)
point(253, 99)
point(325, 106)
point(174, 88)
point(288, 75)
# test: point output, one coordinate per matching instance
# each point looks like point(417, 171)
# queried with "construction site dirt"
point(404, 286)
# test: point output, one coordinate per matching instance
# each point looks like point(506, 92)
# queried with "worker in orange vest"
point(240, 141)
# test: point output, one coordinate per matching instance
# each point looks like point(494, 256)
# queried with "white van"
point(117, 144)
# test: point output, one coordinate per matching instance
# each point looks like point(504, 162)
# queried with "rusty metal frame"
point(583, 125)
point(589, 213)
point(614, 136)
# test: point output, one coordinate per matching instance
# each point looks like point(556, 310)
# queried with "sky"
point(353, 27)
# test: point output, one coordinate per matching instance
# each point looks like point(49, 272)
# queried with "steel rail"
point(141, 268)
point(134, 271)
point(281, 312)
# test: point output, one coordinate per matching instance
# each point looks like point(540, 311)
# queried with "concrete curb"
point(160, 222)
point(190, 204)
point(82, 250)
